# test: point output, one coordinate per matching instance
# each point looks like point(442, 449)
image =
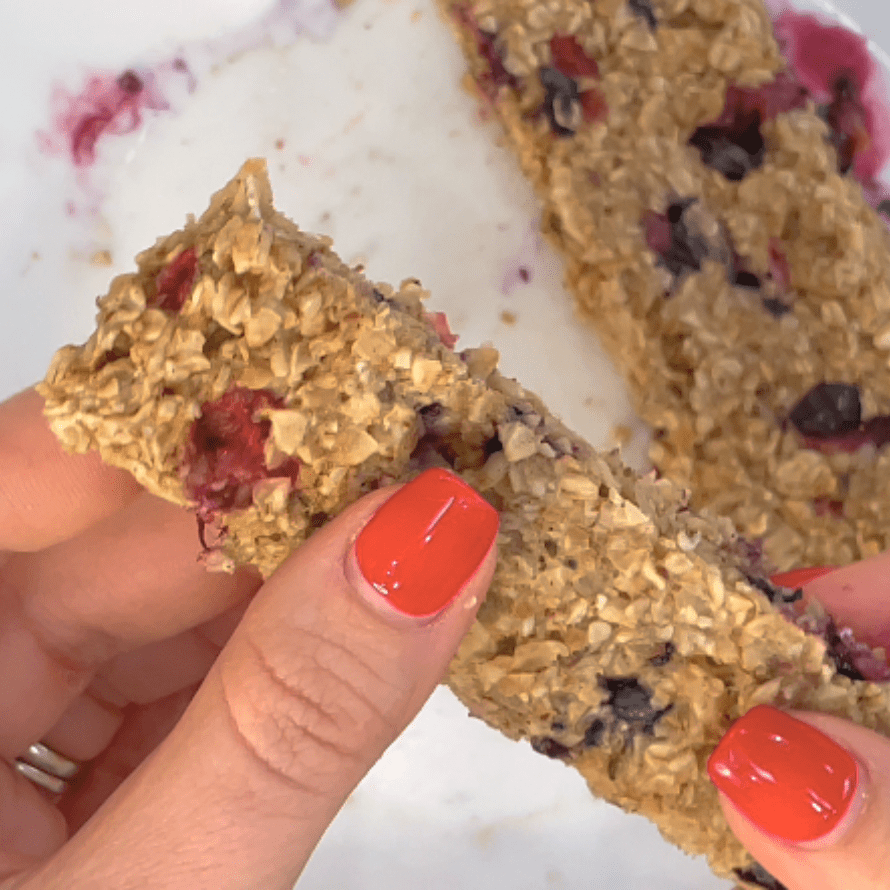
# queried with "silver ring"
point(47, 768)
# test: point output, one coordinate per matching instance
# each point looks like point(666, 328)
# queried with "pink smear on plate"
point(521, 268)
point(836, 67)
point(116, 103)
point(108, 104)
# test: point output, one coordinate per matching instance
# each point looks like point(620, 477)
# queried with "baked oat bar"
point(709, 177)
point(243, 370)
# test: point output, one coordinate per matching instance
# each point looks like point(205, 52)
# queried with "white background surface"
point(384, 152)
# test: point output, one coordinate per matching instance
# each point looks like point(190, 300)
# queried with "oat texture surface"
point(717, 240)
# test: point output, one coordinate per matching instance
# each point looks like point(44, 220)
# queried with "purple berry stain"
point(835, 66)
point(108, 104)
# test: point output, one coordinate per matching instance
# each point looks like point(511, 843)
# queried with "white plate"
point(370, 140)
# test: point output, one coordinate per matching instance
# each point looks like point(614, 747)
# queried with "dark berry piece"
point(775, 307)
point(679, 248)
point(121, 349)
point(827, 410)
point(734, 149)
point(130, 82)
point(562, 103)
point(846, 118)
point(492, 446)
point(225, 453)
point(663, 657)
point(733, 143)
point(758, 875)
point(884, 207)
point(843, 653)
point(549, 747)
point(175, 281)
point(631, 702)
point(775, 594)
point(318, 519)
point(746, 279)
point(550, 547)
point(823, 506)
point(643, 9)
point(498, 75)
point(431, 414)
point(593, 735)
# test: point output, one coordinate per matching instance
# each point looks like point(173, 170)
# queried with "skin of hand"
point(222, 721)
point(809, 794)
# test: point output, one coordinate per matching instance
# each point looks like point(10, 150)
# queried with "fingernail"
point(799, 577)
point(789, 779)
point(423, 545)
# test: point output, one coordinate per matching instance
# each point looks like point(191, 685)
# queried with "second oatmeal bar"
point(244, 371)
point(704, 195)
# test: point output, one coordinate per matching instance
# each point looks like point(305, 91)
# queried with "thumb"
point(334, 657)
point(808, 795)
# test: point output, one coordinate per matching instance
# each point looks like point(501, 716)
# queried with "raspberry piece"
point(175, 281)
point(733, 143)
point(439, 321)
point(224, 456)
point(569, 57)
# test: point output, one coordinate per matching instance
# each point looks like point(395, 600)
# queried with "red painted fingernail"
point(423, 545)
point(789, 779)
point(799, 577)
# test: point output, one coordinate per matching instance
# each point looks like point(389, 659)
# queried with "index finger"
point(46, 494)
point(857, 597)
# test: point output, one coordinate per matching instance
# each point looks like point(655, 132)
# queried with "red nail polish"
point(789, 779)
point(799, 577)
point(421, 547)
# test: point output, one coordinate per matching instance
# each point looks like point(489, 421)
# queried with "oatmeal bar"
point(708, 175)
point(245, 371)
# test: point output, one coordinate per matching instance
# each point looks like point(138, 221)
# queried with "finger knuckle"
point(310, 717)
